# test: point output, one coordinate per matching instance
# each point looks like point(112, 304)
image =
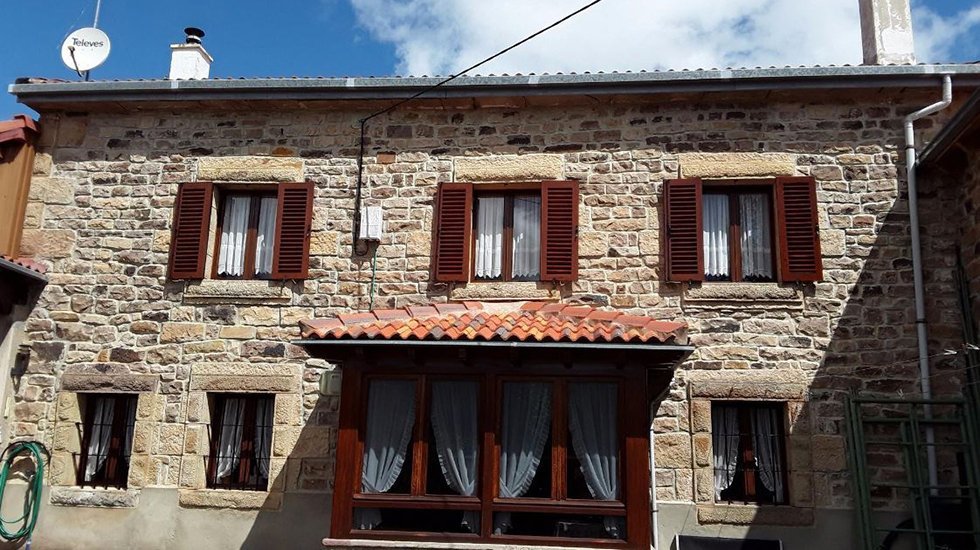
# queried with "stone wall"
point(101, 210)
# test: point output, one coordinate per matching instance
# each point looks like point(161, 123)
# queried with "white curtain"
point(592, 414)
point(230, 443)
point(525, 425)
point(489, 237)
point(454, 424)
point(390, 418)
point(130, 425)
point(266, 237)
point(724, 441)
point(527, 238)
point(756, 236)
point(234, 228)
point(715, 225)
point(98, 444)
point(768, 449)
point(263, 434)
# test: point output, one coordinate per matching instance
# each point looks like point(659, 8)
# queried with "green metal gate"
point(888, 447)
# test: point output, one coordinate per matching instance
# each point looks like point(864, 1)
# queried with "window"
point(507, 232)
point(241, 441)
point(743, 230)
point(107, 440)
point(260, 234)
point(492, 458)
point(749, 459)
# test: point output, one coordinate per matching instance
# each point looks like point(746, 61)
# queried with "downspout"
point(920, 306)
point(655, 526)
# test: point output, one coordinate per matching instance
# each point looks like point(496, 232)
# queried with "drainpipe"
point(655, 526)
point(920, 306)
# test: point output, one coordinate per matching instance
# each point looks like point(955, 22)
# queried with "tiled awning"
point(469, 322)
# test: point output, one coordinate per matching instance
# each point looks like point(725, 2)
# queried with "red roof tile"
point(532, 321)
point(25, 262)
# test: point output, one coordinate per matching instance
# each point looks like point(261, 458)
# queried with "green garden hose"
point(32, 499)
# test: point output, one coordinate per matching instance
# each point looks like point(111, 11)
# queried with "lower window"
point(241, 441)
point(107, 440)
point(749, 458)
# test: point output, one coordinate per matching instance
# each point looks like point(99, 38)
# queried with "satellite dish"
point(85, 49)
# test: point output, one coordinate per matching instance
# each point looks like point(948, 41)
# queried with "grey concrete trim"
point(952, 131)
point(122, 383)
point(713, 80)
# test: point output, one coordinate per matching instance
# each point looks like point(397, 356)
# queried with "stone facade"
point(110, 319)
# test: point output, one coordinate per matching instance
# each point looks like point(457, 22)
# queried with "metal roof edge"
point(686, 349)
point(951, 131)
point(25, 271)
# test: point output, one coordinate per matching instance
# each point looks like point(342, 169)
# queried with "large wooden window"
point(241, 439)
point(742, 230)
point(749, 455)
point(107, 440)
point(260, 234)
point(508, 232)
point(502, 458)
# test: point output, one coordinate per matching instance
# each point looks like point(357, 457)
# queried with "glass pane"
point(715, 224)
point(489, 237)
point(559, 525)
point(756, 239)
point(234, 230)
point(454, 447)
point(593, 426)
point(527, 239)
point(525, 442)
point(417, 520)
point(386, 466)
point(265, 237)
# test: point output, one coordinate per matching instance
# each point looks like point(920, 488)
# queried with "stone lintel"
point(212, 368)
point(771, 384)
point(128, 383)
point(735, 514)
point(249, 169)
point(503, 168)
point(736, 165)
point(245, 383)
point(225, 291)
point(500, 291)
point(95, 498)
point(225, 498)
point(741, 296)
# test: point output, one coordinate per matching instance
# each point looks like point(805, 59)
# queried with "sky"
point(250, 38)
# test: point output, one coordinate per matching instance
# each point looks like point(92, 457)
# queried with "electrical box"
point(330, 383)
point(370, 223)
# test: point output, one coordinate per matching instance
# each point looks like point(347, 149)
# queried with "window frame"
point(247, 445)
point(508, 193)
point(116, 470)
point(746, 452)
point(251, 236)
point(733, 189)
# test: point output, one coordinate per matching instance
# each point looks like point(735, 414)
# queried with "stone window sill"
point(742, 296)
point(509, 292)
point(229, 498)
point(747, 514)
point(95, 498)
point(234, 291)
point(364, 544)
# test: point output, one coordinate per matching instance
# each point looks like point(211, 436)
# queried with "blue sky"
point(380, 37)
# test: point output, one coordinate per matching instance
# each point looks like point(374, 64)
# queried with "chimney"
point(886, 32)
point(190, 60)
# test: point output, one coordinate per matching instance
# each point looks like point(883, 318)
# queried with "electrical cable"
point(32, 498)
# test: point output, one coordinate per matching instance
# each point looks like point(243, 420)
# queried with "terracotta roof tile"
point(530, 321)
point(25, 262)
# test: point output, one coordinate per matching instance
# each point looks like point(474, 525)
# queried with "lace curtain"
point(592, 414)
point(98, 444)
point(489, 237)
point(724, 442)
point(230, 442)
point(527, 238)
point(715, 224)
point(234, 230)
point(454, 424)
point(263, 434)
point(266, 237)
point(756, 241)
point(525, 425)
point(768, 450)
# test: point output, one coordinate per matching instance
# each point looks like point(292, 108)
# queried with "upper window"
point(259, 234)
point(749, 459)
point(507, 232)
point(241, 439)
point(107, 440)
point(744, 230)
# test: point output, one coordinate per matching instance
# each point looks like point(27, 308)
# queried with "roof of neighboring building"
point(39, 92)
point(24, 266)
point(480, 322)
point(21, 128)
point(965, 122)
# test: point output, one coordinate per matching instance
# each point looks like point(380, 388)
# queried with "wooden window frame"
point(633, 504)
point(733, 190)
point(251, 236)
point(746, 458)
point(507, 254)
point(115, 474)
point(247, 458)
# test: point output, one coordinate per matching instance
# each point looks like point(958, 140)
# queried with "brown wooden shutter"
point(454, 215)
point(559, 231)
point(189, 241)
point(682, 206)
point(294, 220)
point(798, 227)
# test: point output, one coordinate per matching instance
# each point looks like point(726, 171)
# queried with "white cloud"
point(444, 36)
point(944, 39)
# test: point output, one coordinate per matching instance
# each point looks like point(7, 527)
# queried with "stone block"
point(66, 437)
point(230, 291)
point(832, 242)
point(736, 165)
point(240, 368)
point(827, 453)
point(170, 439)
point(143, 433)
point(62, 469)
point(512, 291)
point(702, 449)
point(237, 333)
point(68, 408)
point(150, 407)
point(42, 164)
point(195, 440)
point(700, 415)
point(181, 332)
point(249, 169)
point(593, 244)
point(673, 450)
point(192, 474)
point(47, 243)
point(128, 383)
point(236, 500)
point(197, 407)
point(259, 316)
point(95, 498)
point(735, 514)
point(52, 190)
point(289, 410)
point(324, 243)
point(704, 485)
point(206, 346)
point(504, 168)
point(245, 383)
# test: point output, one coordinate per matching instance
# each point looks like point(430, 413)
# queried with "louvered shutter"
point(682, 204)
point(454, 222)
point(798, 227)
point(559, 231)
point(189, 240)
point(294, 220)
